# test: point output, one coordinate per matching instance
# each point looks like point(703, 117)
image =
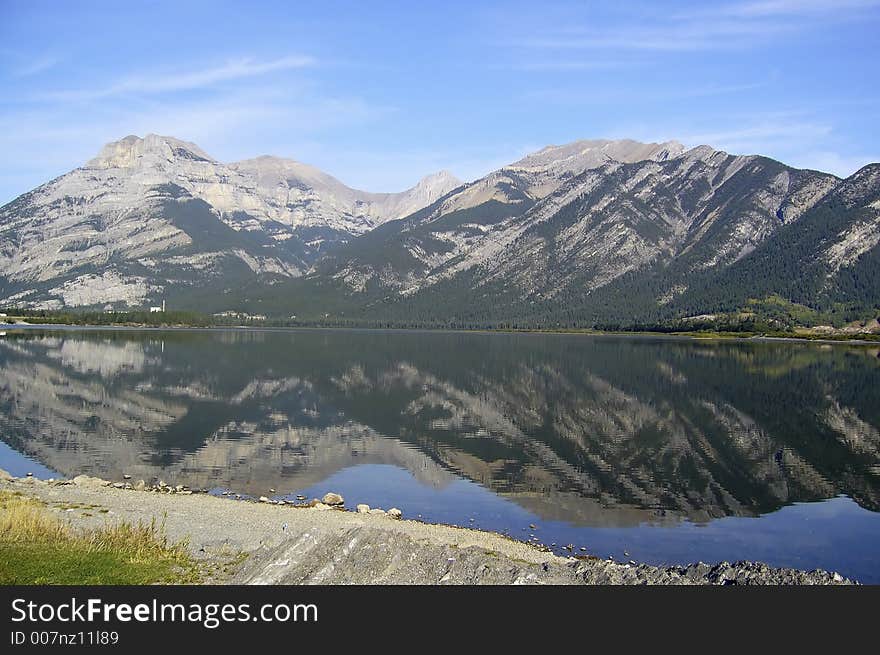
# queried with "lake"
point(661, 450)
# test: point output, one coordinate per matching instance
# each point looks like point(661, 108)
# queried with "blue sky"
point(381, 93)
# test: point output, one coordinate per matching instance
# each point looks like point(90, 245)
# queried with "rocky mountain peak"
point(862, 188)
point(435, 185)
point(582, 155)
point(271, 171)
point(440, 177)
point(705, 154)
point(136, 152)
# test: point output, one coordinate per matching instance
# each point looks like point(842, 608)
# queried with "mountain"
point(829, 258)
point(591, 233)
point(464, 227)
point(542, 240)
point(149, 215)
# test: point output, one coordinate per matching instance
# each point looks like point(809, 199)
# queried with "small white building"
point(158, 309)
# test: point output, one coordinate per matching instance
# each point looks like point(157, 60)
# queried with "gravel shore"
point(243, 542)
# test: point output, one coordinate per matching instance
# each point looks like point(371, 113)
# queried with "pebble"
point(271, 491)
point(532, 526)
point(263, 499)
point(30, 475)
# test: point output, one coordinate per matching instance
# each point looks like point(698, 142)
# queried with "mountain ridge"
point(572, 234)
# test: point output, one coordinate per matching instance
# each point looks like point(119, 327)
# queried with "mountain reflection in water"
point(589, 431)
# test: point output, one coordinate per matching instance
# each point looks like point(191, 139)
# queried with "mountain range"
point(592, 233)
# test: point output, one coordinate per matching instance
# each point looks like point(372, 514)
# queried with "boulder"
point(333, 499)
point(363, 509)
point(89, 481)
point(394, 513)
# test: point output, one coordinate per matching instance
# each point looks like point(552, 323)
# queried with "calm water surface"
point(658, 450)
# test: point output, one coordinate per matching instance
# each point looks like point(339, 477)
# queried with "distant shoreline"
point(855, 339)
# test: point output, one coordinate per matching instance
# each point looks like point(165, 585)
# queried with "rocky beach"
point(266, 541)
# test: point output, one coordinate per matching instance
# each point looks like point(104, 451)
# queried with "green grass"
point(39, 549)
point(70, 564)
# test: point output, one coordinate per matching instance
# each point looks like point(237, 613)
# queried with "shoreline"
point(694, 336)
point(319, 543)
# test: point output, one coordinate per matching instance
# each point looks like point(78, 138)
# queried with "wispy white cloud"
point(761, 136)
point(681, 36)
point(173, 81)
point(567, 65)
point(36, 66)
point(713, 27)
point(763, 8)
point(605, 96)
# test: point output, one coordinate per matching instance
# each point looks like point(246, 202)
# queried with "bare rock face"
point(568, 221)
point(150, 213)
point(301, 195)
